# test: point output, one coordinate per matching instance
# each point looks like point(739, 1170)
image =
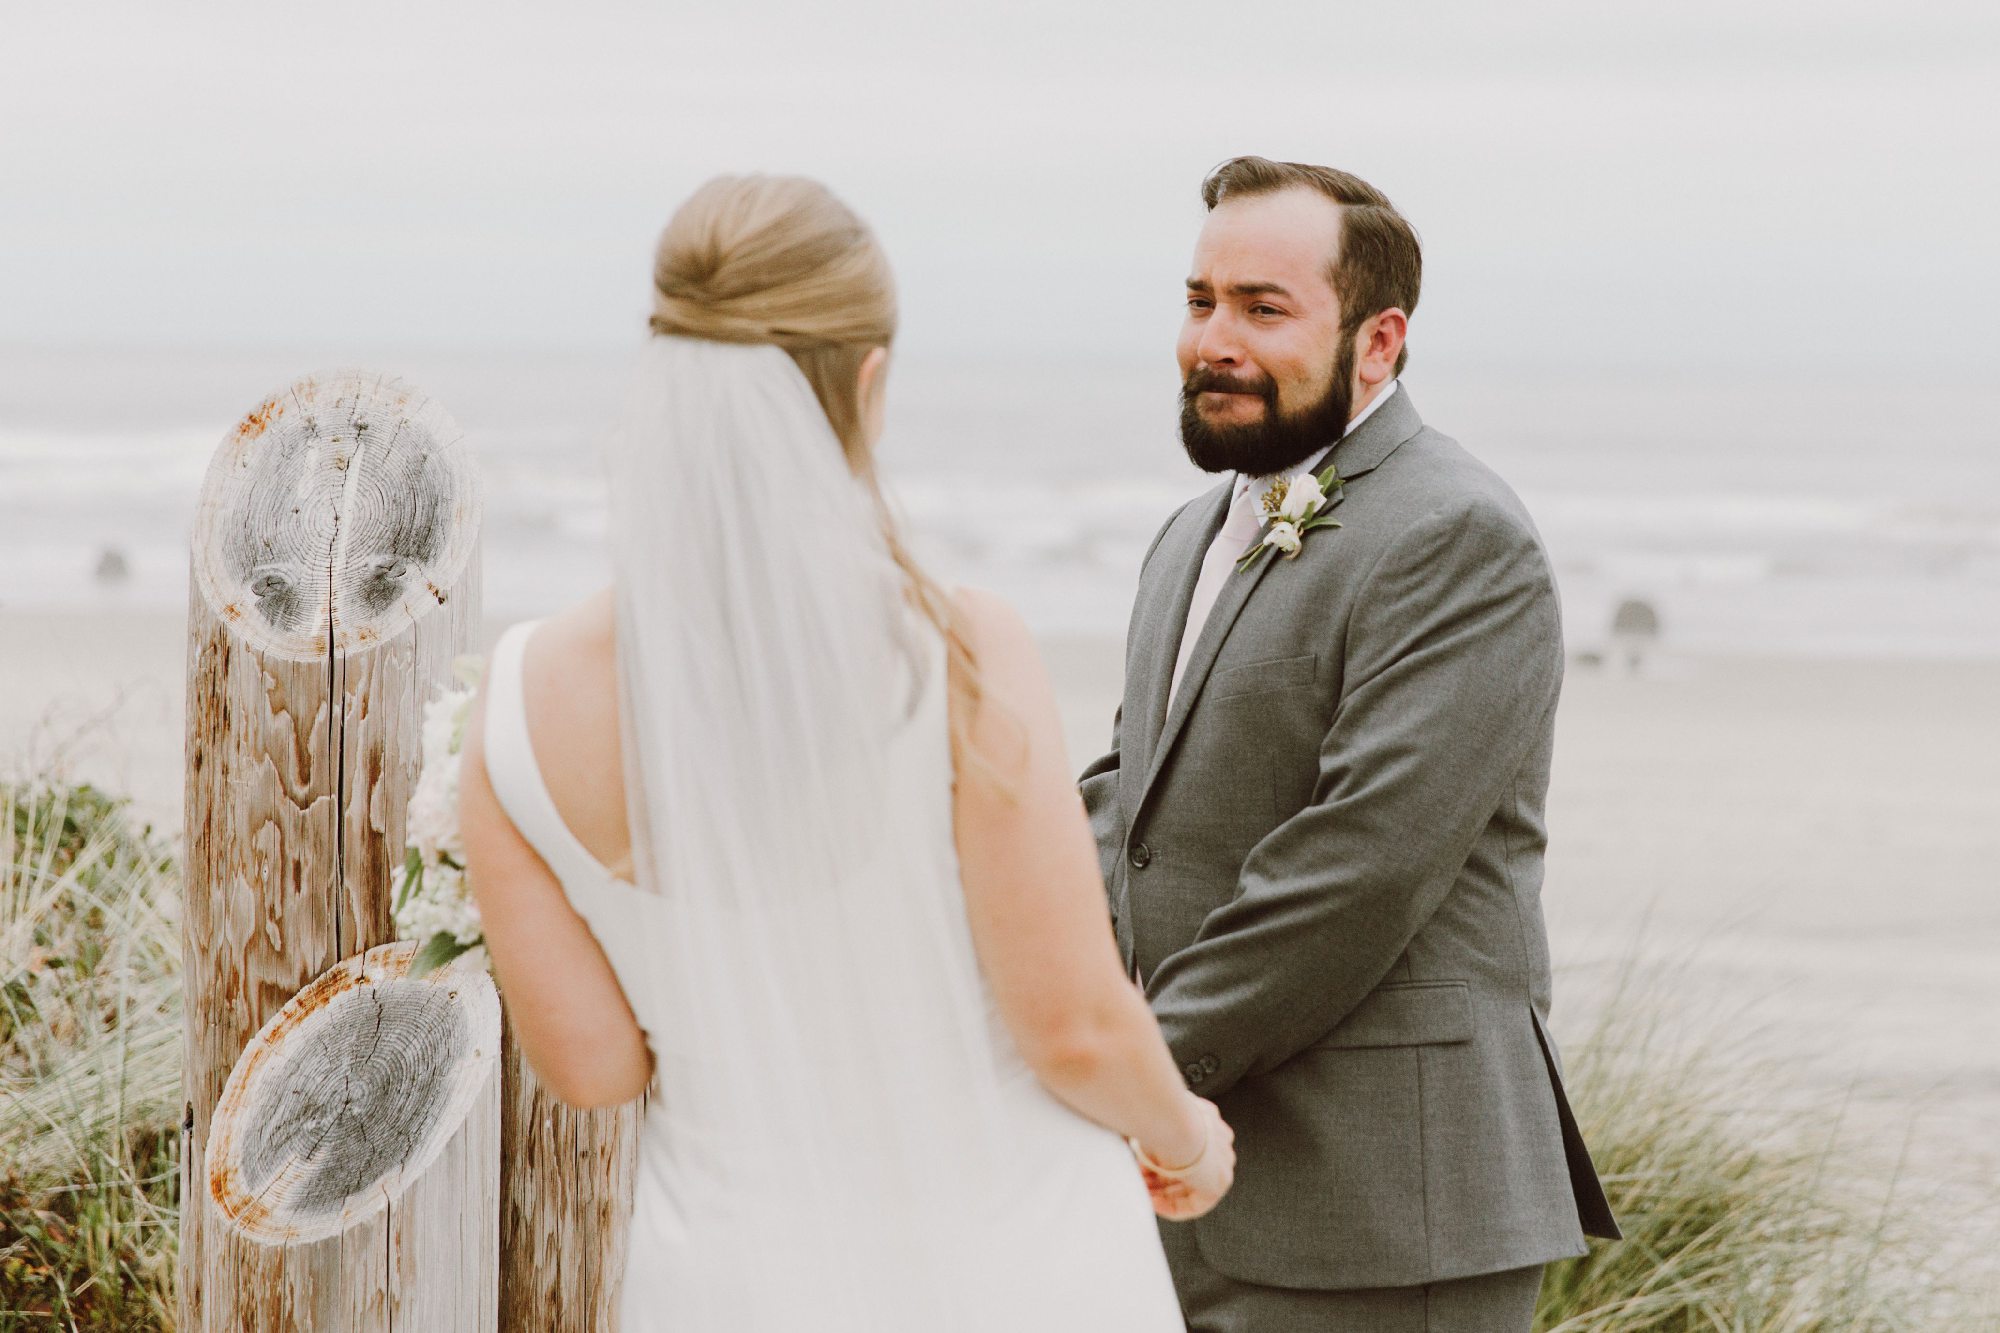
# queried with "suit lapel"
point(1386, 429)
point(1229, 604)
point(1180, 562)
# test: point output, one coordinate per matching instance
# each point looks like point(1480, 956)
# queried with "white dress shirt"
point(1239, 528)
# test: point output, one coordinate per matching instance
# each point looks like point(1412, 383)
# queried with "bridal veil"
point(819, 1029)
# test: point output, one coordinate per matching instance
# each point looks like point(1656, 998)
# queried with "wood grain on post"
point(354, 1159)
point(566, 1203)
point(334, 579)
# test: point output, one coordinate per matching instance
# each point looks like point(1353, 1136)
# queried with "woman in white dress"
point(778, 836)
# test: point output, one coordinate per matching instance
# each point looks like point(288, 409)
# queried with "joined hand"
point(1186, 1193)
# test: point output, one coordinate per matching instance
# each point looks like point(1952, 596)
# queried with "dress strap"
point(516, 777)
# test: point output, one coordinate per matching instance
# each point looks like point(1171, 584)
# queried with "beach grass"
point(1747, 1206)
point(90, 1056)
point(1744, 1209)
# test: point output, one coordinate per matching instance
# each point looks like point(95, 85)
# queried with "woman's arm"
point(1035, 898)
point(562, 997)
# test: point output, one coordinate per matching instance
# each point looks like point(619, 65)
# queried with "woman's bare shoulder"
point(580, 632)
point(1009, 713)
point(999, 639)
point(570, 688)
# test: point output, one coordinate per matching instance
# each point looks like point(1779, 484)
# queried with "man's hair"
point(1380, 263)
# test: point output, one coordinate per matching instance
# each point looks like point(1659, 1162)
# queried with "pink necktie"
point(1239, 529)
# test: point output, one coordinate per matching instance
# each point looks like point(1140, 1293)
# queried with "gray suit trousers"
point(1212, 1302)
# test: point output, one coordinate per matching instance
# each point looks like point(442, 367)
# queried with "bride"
point(779, 836)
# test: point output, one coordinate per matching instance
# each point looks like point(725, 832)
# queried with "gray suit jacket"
point(1325, 862)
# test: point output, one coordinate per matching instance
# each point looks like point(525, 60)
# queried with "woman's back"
point(968, 1197)
point(880, 1080)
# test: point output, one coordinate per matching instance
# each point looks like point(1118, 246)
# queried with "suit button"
point(1194, 1073)
point(1141, 856)
point(1209, 1064)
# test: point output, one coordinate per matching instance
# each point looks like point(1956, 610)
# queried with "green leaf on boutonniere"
point(1249, 559)
point(1330, 487)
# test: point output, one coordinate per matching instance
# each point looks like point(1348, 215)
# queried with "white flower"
point(461, 716)
point(433, 821)
point(1303, 499)
point(440, 723)
point(433, 814)
point(442, 903)
point(1292, 506)
point(443, 906)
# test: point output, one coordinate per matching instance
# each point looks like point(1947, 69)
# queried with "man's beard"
point(1278, 442)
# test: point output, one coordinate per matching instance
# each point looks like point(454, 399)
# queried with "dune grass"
point(89, 1064)
point(1743, 1211)
point(1746, 1207)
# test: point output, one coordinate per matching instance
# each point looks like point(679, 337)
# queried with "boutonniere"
point(1292, 508)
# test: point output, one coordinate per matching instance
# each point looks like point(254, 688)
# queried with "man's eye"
point(1197, 303)
point(1261, 309)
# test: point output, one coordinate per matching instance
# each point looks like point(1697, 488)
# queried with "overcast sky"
point(1785, 184)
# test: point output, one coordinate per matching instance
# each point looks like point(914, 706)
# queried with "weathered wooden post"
point(357, 1149)
point(566, 1202)
point(334, 579)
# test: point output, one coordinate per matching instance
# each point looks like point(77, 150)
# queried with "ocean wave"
point(1726, 568)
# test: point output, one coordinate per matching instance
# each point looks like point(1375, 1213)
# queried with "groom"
point(1321, 816)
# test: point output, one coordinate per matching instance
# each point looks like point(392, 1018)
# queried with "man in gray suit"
point(1321, 815)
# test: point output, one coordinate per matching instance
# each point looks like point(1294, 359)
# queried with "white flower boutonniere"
point(432, 901)
point(1292, 508)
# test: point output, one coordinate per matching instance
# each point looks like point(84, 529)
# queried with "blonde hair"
point(780, 260)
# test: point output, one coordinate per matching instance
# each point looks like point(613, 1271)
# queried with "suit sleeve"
point(1098, 783)
point(1099, 788)
point(1453, 661)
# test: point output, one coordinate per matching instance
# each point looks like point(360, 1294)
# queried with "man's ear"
point(1381, 344)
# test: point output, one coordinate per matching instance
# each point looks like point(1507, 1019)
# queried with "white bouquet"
point(433, 903)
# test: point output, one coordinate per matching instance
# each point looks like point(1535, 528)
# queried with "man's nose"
point(1219, 345)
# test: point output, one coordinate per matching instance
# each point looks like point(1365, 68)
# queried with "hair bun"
point(715, 321)
point(771, 259)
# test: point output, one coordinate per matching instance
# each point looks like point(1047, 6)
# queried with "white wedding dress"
point(949, 1191)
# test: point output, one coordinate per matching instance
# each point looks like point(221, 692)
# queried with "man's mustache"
point(1213, 381)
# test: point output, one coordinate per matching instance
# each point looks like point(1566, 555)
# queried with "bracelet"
point(1172, 1172)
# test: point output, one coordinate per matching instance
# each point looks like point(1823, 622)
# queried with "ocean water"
point(1770, 516)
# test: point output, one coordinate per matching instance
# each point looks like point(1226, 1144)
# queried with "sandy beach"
point(1817, 844)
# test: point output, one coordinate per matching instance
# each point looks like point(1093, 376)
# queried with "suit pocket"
point(1278, 673)
point(1406, 1013)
